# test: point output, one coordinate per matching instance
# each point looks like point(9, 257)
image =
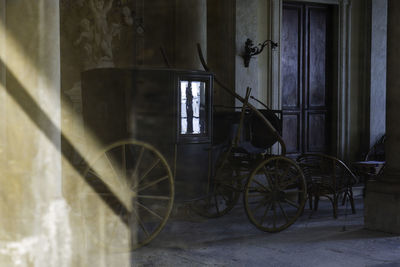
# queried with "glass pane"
point(193, 107)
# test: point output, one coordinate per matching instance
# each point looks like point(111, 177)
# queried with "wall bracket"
point(250, 50)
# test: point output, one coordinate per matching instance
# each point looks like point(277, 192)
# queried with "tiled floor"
point(316, 239)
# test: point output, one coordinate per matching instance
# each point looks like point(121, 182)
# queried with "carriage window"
point(193, 107)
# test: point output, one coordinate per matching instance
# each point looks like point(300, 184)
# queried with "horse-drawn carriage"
point(168, 143)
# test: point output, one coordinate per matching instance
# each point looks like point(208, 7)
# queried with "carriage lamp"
point(250, 50)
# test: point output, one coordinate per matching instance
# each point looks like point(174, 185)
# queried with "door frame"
point(342, 90)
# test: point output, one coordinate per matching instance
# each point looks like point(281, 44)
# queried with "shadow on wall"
point(47, 127)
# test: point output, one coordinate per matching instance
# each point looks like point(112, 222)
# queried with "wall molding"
point(328, 2)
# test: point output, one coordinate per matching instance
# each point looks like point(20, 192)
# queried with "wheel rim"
point(135, 186)
point(275, 194)
point(224, 190)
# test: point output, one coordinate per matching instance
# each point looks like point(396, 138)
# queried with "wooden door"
point(306, 78)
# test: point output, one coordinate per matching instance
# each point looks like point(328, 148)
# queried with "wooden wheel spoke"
point(267, 175)
point(223, 163)
point(262, 202)
point(149, 210)
point(225, 198)
point(152, 166)
point(94, 173)
point(276, 170)
point(154, 197)
point(111, 166)
point(289, 182)
point(265, 213)
point(272, 175)
point(152, 183)
point(254, 189)
point(256, 195)
point(286, 171)
point(123, 158)
point(268, 172)
point(216, 203)
point(283, 212)
point(222, 195)
point(137, 164)
point(291, 203)
point(295, 191)
point(274, 211)
point(260, 184)
point(96, 177)
point(141, 224)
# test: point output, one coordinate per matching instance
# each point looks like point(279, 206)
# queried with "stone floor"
point(316, 239)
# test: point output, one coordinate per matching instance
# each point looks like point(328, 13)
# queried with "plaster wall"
point(176, 26)
point(246, 27)
point(35, 229)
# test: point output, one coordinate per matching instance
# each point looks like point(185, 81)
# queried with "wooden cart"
point(156, 127)
point(161, 145)
point(273, 186)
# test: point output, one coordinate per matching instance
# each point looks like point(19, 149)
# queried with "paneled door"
point(306, 78)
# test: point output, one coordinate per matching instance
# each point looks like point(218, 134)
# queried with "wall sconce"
point(251, 50)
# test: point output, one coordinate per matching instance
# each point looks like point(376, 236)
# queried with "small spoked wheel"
point(275, 194)
point(219, 201)
point(128, 195)
point(224, 190)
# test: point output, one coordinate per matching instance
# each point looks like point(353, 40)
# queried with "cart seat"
point(255, 137)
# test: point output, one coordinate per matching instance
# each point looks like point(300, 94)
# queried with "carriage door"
point(306, 77)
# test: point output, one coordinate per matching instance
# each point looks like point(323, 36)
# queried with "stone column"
point(190, 29)
point(382, 205)
point(378, 69)
point(35, 226)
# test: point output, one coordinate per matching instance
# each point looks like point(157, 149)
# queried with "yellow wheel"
point(275, 194)
point(128, 195)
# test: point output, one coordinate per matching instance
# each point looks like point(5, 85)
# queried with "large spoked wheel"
point(275, 194)
point(224, 190)
point(129, 196)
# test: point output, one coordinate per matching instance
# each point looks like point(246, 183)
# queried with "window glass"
point(193, 107)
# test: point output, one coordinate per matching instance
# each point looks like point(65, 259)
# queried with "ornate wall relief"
point(95, 34)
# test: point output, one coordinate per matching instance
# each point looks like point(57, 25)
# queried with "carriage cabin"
point(174, 84)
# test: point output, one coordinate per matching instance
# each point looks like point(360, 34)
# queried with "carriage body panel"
point(146, 104)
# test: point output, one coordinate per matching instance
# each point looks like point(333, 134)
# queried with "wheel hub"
point(278, 195)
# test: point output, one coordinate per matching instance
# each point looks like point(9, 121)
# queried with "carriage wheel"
point(275, 194)
point(129, 197)
point(224, 192)
point(223, 198)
